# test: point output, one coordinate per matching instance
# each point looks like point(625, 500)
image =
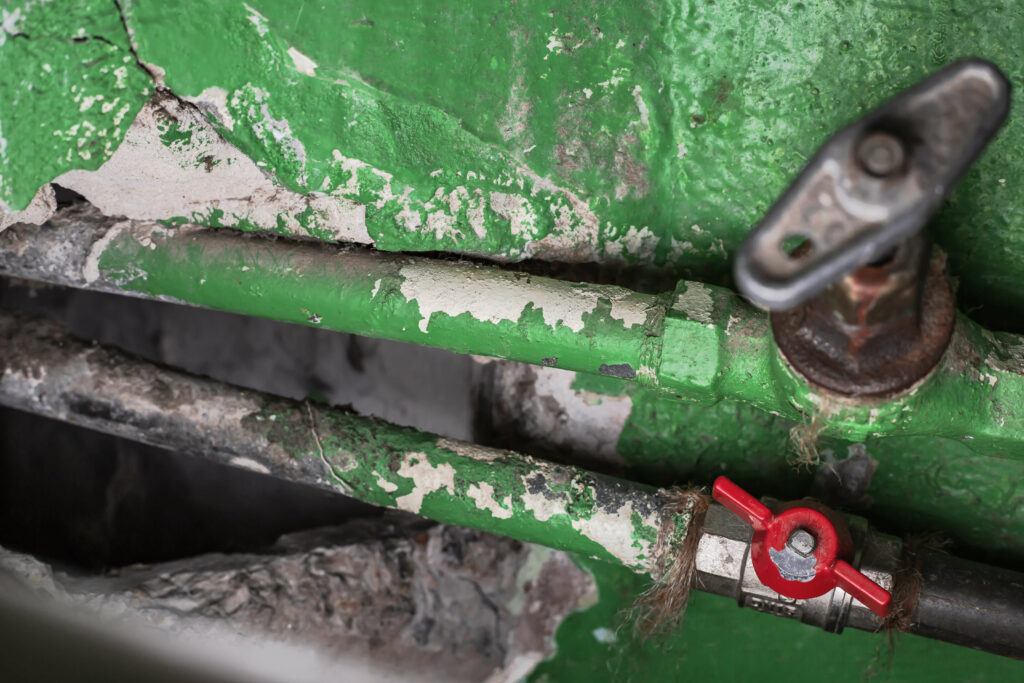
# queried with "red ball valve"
point(799, 553)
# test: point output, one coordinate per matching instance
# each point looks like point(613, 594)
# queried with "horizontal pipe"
point(969, 604)
point(454, 482)
point(699, 343)
point(463, 307)
point(563, 507)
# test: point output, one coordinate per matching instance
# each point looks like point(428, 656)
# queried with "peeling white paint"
point(91, 270)
point(613, 531)
point(38, 211)
point(630, 308)
point(640, 242)
point(641, 106)
point(388, 486)
point(491, 295)
point(543, 507)
point(147, 180)
point(483, 495)
point(302, 63)
point(214, 100)
point(695, 303)
point(257, 20)
point(426, 478)
point(249, 464)
point(517, 211)
point(8, 23)
point(272, 132)
point(618, 75)
point(464, 449)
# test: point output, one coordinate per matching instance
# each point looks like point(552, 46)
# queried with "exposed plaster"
point(490, 295)
point(303, 64)
point(426, 478)
point(39, 210)
point(483, 495)
point(201, 175)
point(695, 303)
point(614, 532)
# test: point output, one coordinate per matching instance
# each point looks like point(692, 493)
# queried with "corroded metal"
point(878, 331)
point(699, 343)
point(533, 500)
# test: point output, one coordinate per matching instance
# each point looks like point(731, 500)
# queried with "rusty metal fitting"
point(859, 310)
point(878, 331)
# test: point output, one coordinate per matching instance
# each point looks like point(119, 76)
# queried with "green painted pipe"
point(699, 343)
point(454, 482)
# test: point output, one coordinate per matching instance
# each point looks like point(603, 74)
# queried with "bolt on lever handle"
point(873, 185)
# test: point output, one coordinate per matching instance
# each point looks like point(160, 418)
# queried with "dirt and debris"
point(463, 604)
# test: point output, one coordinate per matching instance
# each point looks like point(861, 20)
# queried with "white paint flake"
point(493, 296)
point(383, 483)
point(554, 44)
point(273, 133)
point(613, 531)
point(91, 270)
point(543, 506)
point(426, 478)
point(249, 464)
point(695, 303)
point(483, 495)
point(8, 23)
point(641, 106)
point(38, 211)
point(257, 20)
point(303, 64)
point(147, 180)
point(214, 100)
point(517, 211)
point(617, 77)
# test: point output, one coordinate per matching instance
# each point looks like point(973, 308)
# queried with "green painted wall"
point(649, 136)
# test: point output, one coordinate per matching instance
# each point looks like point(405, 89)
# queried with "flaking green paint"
point(359, 293)
point(738, 95)
point(675, 126)
point(69, 89)
point(702, 345)
point(561, 507)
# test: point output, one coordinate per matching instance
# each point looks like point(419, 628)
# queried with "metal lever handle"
point(873, 185)
point(873, 596)
point(798, 553)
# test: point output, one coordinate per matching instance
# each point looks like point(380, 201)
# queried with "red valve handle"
point(827, 569)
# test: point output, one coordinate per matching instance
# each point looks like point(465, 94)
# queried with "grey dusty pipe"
point(49, 374)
